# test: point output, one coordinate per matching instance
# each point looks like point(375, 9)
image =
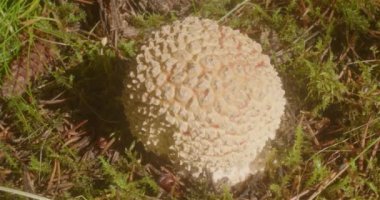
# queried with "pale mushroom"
point(204, 96)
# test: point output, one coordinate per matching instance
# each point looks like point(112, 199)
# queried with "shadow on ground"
point(95, 97)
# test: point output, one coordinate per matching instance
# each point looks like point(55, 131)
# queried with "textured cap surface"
point(205, 96)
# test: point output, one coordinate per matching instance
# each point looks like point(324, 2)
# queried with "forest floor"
point(62, 129)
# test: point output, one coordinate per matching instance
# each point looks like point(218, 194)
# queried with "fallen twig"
point(22, 193)
point(300, 195)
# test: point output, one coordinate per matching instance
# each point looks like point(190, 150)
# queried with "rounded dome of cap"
point(205, 96)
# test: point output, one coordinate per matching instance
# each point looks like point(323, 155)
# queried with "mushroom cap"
point(204, 96)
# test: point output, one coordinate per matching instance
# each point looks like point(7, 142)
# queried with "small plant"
point(123, 184)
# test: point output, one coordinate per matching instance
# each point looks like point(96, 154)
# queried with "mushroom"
point(204, 96)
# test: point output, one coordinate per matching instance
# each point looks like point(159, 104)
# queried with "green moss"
point(128, 48)
point(40, 166)
point(148, 21)
point(120, 181)
point(295, 155)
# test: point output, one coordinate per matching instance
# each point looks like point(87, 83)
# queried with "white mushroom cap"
point(205, 96)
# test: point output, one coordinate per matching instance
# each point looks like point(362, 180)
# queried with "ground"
point(62, 130)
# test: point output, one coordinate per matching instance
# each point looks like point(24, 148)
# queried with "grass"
point(12, 15)
point(65, 137)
